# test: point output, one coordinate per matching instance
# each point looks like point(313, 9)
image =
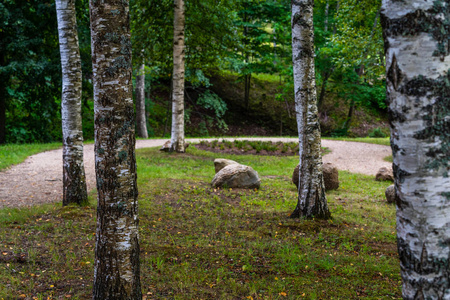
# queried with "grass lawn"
point(379, 141)
point(203, 243)
point(12, 154)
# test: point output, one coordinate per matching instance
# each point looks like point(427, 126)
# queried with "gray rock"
point(391, 195)
point(220, 163)
point(237, 176)
point(385, 174)
point(330, 176)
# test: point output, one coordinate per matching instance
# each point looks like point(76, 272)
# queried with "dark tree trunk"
point(117, 237)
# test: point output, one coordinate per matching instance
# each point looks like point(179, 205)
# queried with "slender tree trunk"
point(141, 120)
point(177, 136)
point(74, 179)
point(417, 64)
point(117, 238)
point(311, 192)
point(247, 78)
point(327, 5)
point(323, 88)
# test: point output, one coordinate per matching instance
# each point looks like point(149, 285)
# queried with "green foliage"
point(30, 68)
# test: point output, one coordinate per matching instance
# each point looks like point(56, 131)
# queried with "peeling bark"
point(418, 86)
point(141, 120)
point(311, 193)
point(177, 136)
point(117, 238)
point(74, 179)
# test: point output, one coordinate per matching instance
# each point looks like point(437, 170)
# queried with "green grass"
point(369, 140)
point(198, 242)
point(12, 154)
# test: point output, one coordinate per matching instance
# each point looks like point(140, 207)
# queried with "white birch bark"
point(74, 179)
point(141, 120)
point(117, 266)
point(177, 135)
point(311, 193)
point(418, 86)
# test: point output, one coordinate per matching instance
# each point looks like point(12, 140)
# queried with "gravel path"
point(39, 179)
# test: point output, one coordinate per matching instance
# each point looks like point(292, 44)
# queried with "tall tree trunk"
point(177, 136)
point(417, 63)
point(311, 192)
point(323, 88)
point(74, 179)
point(327, 6)
point(247, 79)
point(117, 238)
point(141, 120)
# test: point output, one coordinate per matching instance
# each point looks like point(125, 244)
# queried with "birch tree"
point(74, 179)
point(177, 134)
point(141, 120)
point(418, 87)
point(311, 190)
point(117, 238)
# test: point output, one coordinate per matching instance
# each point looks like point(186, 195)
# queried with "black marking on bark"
point(435, 117)
point(394, 73)
point(434, 21)
point(399, 173)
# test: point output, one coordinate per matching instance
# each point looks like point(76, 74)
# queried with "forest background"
point(238, 68)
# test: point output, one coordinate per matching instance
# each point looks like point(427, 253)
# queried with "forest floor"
point(199, 242)
point(38, 180)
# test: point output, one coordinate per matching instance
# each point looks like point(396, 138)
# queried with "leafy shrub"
point(377, 133)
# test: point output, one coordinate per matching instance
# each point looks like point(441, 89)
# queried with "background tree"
point(117, 237)
point(74, 179)
point(141, 119)
point(417, 72)
point(311, 190)
point(177, 134)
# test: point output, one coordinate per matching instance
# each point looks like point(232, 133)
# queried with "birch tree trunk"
point(311, 192)
point(74, 179)
point(177, 136)
point(141, 120)
point(418, 86)
point(117, 238)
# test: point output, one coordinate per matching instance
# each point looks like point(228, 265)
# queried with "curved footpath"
point(39, 179)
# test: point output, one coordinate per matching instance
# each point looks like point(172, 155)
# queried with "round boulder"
point(391, 195)
point(220, 163)
point(385, 174)
point(330, 176)
point(237, 176)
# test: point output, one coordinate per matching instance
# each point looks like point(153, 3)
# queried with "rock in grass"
point(330, 176)
point(391, 196)
point(385, 174)
point(237, 176)
point(220, 163)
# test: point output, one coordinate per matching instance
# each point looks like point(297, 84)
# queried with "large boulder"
point(385, 174)
point(220, 163)
point(330, 176)
point(391, 195)
point(237, 176)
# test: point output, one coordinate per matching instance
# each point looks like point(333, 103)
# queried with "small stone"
point(220, 163)
point(385, 174)
point(391, 195)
